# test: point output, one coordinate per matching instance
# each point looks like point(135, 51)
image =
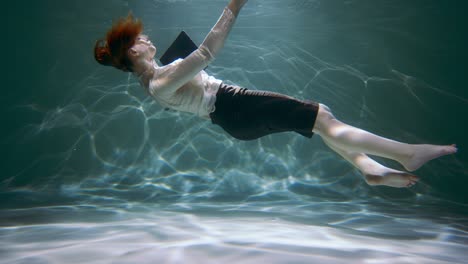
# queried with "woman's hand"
point(236, 5)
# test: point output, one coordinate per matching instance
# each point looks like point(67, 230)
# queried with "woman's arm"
point(175, 75)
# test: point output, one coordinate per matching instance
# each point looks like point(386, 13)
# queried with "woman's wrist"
point(233, 9)
point(235, 6)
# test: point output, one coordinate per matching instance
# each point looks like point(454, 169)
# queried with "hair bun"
point(102, 53)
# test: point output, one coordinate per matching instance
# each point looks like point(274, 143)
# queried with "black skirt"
point(251, 114)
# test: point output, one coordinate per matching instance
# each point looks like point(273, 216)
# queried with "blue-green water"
point(94, 171)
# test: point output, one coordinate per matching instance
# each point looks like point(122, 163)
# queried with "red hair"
point(112, 51)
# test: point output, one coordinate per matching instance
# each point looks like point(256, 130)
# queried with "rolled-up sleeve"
point(175, 75)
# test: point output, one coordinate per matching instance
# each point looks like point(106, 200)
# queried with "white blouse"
point(183, 85)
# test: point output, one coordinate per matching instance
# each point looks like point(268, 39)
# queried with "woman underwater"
point(245, 114)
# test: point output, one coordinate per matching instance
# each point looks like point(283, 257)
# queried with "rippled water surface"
point(96, 172)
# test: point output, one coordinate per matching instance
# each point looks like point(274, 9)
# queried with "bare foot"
point(424, 153)
point(398, 179)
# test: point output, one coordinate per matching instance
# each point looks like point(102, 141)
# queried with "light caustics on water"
point(165, 237)
point(177, 175)
point(118, 138)
point(131, 182)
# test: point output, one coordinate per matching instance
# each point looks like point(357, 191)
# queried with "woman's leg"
point(355, 140)
point(374, 172)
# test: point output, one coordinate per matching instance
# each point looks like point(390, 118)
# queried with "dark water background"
point(82, 143)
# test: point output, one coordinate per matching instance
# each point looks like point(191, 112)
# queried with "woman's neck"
point(145, 69)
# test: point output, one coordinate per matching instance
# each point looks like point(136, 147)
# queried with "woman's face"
point(144, 47)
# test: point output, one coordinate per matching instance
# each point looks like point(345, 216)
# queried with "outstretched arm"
point(175, 75)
